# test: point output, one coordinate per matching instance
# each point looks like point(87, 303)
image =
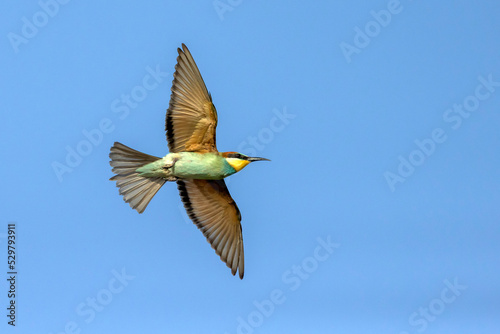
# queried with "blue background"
point(356, 104)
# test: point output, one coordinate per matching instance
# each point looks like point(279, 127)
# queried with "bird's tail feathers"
point(135, 189)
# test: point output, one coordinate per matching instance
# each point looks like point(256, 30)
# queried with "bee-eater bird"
point(193, 162)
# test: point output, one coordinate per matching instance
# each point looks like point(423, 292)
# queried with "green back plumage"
point(189, 165)
point(207, 166)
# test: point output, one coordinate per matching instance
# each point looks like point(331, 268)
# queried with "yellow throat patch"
point(237, 164)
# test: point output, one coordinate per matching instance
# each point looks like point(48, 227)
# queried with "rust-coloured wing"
point(210, 206)
point(191, 116)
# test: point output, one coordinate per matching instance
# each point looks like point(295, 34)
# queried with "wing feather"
point(191, 116)
point(210, 206)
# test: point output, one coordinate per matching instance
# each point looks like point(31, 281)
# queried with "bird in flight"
point(193, 162)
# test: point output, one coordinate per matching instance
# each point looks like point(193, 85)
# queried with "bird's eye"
point(236, 156)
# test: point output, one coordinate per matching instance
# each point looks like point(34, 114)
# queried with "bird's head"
point(239, 161)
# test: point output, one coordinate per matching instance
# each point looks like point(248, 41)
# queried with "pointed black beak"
point(257, 159)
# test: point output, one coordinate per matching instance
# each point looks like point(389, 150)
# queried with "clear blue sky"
point(379, 212)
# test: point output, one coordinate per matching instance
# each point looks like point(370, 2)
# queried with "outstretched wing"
point(191, 116)
point(210, 206)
